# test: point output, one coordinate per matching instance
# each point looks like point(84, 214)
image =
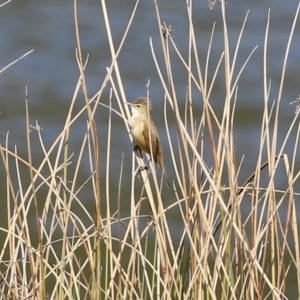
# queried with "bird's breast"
point(137, 126)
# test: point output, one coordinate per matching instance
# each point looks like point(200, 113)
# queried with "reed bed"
point(218, 252)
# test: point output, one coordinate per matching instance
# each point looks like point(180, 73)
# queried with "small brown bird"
point(140, 122)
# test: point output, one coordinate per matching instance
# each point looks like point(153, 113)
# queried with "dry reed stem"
point(220, 254)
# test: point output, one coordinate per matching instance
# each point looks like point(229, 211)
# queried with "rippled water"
point(50, 73)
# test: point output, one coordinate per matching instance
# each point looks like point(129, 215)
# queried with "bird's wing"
point(154, 140)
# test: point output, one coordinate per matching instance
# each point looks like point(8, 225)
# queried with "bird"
point(140, 122)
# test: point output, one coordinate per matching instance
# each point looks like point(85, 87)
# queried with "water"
point(50, 73)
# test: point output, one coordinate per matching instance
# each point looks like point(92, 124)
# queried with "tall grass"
point(221, 254)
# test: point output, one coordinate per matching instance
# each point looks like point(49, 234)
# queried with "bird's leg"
point(147, 164)
point(138, 152)
point(140, 169)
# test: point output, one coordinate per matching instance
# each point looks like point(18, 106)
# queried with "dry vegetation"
point(220, 253)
